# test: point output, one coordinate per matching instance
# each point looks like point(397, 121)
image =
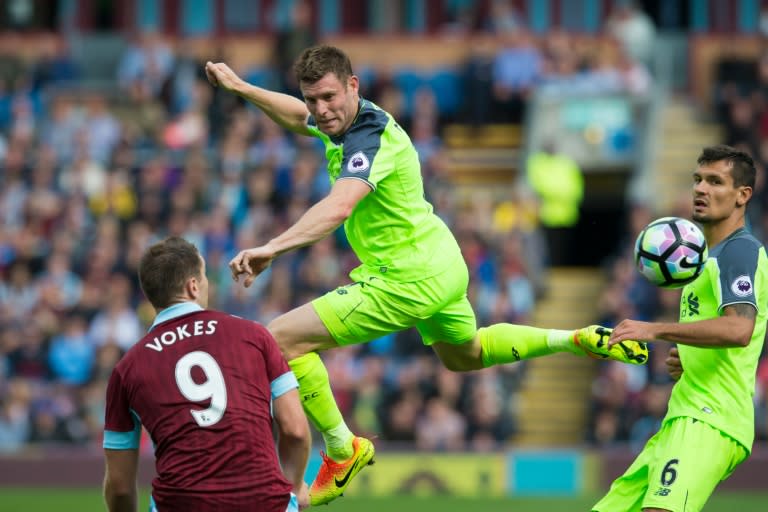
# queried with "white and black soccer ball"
point(671, 252)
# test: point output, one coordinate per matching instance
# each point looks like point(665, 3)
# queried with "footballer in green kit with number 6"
point(412, 272)
point(709, 427)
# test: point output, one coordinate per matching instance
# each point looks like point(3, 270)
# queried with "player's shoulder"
point(370, 117)
point(202, 322)
point(740, 244)
point(236, 321)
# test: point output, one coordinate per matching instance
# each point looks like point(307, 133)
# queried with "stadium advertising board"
point(466, 475)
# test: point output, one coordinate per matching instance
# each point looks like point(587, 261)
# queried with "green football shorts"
point(374, 306)
point(677, 470)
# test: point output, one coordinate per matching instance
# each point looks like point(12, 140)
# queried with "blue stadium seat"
point(446, 84)
point(260, 77)
point(408, 81)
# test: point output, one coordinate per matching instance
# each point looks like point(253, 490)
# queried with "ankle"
point(563, 341)
point(338, 442)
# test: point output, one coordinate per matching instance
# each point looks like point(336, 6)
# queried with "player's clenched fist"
point(674, 366)
point(251, 263)
point(221, 75)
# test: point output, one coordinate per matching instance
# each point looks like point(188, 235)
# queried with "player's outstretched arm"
point(323, 217)
point(288, 111)
point(121, 468)
point(294, 442)
point(733, 329)
point(318, 222)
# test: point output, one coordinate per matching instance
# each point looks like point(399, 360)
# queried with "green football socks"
point(509, 343)
point(320, 406)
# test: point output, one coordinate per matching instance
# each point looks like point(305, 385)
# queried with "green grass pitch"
point(89, 500)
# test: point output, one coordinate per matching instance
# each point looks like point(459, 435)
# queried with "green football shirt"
point(393, 230)
point(718, 384)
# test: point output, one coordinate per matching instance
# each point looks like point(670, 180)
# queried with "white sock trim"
point(339, 440)
point(561, 341)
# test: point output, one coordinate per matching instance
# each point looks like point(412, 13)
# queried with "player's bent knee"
point(289, 349)
point(465, 357)
point(460, 364)
point(457, 366)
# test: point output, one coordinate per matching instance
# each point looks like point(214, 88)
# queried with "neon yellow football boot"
point(334, 477)
point(593, 340)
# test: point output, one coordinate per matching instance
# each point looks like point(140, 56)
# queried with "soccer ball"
point(670, 252)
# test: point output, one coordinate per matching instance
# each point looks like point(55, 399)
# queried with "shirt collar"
point(177, 310)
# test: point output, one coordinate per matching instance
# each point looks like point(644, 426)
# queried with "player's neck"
point(719, 231)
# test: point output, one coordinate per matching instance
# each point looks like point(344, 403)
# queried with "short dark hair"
point(317, 61)
point(743, 167)
point(165, 268)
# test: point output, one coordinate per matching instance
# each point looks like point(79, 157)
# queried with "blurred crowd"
point(91, 177)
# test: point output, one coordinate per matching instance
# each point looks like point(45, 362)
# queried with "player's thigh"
point(451, 319)
point(366, 310)
point(373, 307)
point(690, 460)
point(627, 491)
point(454, 324)
point(452, 333)
point(300, 331)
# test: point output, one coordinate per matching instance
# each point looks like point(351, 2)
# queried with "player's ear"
point(192, 288)
point(353, 83)
point(743, 196)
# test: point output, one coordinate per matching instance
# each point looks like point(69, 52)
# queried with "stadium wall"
point(512, 473)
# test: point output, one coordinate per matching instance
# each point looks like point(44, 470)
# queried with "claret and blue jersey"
point(201, 383)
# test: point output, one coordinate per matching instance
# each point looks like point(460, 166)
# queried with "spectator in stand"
point(476, 75)
point(55, 65)
point(101, 128)
point(145, 66)
point(116, 322)
point(18, 293)
point(28, 350)
point(557, 180)
point(634, 30)
point(71, 353)
point(504, 18)
point(517, 68)
point(290, 40)
point(14, 414)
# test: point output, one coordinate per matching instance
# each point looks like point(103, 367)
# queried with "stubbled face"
point(332, 103)
point(714, 196)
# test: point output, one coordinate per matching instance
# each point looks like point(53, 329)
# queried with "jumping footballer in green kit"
point(709, 427)
point(412, 272)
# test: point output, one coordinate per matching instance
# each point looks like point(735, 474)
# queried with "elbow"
point(741, 337)
point(343, 213)
point(745, 333)
point(739, 332)
point(118, 490)
point(743, 340)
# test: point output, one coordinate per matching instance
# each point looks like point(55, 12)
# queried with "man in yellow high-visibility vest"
point(558, 182)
